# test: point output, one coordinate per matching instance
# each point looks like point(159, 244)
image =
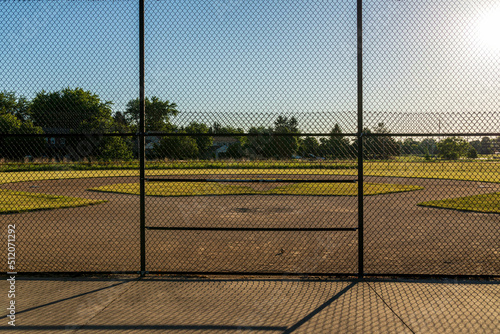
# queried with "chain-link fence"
point(255, 137)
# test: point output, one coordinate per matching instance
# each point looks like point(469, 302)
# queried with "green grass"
point(206, 189)
point(489, 203)
point(124, 165)
point(467, 171)
point(341, 189)
point(17, 201)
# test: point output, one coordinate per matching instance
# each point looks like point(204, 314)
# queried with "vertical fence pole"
point(359, 15)
point(142, 140)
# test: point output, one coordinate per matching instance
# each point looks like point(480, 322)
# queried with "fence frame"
point(359, 135)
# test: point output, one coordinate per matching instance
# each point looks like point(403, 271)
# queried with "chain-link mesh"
point(249, 75)
point(251, 137)
point(67, 70)
point(431, 79)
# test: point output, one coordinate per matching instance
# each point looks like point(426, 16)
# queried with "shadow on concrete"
point(281, 305)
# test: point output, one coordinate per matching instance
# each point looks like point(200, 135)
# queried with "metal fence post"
point(142, 140)
point(359, 15)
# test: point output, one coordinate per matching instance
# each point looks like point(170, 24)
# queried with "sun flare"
point(489, 29)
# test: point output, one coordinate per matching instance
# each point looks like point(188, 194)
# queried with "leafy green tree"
point(72, 109)
point(204, 143)
point(309, 145)
point(410, 147)
point(476, 144)
point(452, 148)
point(176, 147)
point(15, 119)
point(428, 146)
point(496, 145)
point(285, 146)
point(120, 123)
point(157, 114)
point(378, 147)
point(115, 149)
point(10, 104)
point(235, 151)
point(260, 143)
point(486, 146)
point(217, 128)
point(335, 146)
point(385, 147)
point(471, 152)
point(19, 147)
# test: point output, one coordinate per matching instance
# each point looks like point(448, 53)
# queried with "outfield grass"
point(489, 203)
point(17, 201)
point(467, 171)
point(195, 164)
point(207, 189)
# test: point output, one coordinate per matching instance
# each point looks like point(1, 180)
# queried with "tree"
point(114, 149)
point(496, 145)
point(157, 114)
point(234, 151)
point(18, 107)
point(285, 146)
point(476, 144)
point(176, 147)
point(336, 145)
point(486, 146)
point(120, 123)
point(202, 142)
point(471, 152)
point(378, 147)
point(428, 146)
point(385, 147)
point(260, 143)
point(15, 119)
point(309, 145)
point(19, 147)
point(452, 148)
point(217, 128)
point(411, 147)
point(72, 109)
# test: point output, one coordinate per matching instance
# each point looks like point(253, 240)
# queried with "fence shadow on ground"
point(267, 305)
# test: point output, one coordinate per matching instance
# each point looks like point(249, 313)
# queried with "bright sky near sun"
point(269, 56)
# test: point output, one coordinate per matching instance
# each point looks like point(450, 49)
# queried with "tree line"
point(72, 111)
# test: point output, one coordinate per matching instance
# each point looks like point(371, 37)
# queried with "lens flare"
point(489, 29)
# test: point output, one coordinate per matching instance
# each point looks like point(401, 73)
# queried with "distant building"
point(151, 141)
point(223, 141)
point(221, 144)
point(56, 146)
point(56, 142)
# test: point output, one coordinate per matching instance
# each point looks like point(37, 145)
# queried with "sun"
point(489, 29)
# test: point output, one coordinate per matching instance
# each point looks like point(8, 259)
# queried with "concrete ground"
point(160, 304)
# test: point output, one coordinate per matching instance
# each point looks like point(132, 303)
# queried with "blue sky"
point(258, 58)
